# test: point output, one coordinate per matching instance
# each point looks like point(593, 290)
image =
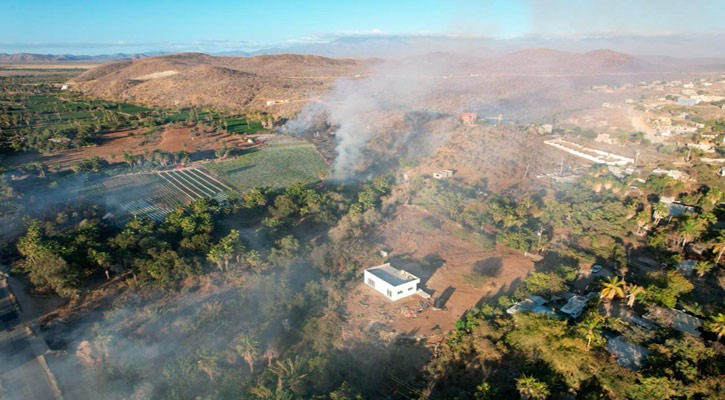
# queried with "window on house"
point(389, 293)
point(371, 282)
point(400, 292)
point(410, 288)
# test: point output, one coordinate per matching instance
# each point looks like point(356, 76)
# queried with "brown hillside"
point(237, 83)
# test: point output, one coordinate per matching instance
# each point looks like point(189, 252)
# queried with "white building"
point(393, 283)
point(443, 174)
point(574, 306)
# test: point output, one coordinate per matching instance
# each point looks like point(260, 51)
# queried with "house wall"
point(392, 292)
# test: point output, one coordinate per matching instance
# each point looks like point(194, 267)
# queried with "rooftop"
point(628, 354)
point(392, 275)
point(574, 306)
point(533, 303)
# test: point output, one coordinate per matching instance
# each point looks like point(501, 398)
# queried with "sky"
point(132, 26)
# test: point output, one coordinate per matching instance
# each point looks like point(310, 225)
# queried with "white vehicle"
point(596, 268)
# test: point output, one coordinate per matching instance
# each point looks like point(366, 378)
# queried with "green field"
point(273, 166)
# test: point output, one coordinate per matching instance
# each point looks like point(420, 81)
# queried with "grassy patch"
point(132, 109)
point(273, 166)
point(241, 125)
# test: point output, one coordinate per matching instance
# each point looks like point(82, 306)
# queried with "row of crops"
point(154, 195)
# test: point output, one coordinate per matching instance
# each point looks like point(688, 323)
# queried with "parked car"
point(596, 268)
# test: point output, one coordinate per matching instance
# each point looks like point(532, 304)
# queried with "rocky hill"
point(239, 83)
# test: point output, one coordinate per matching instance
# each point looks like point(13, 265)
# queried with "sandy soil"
point(441, 260)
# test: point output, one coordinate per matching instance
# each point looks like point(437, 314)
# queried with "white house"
point(393, 283)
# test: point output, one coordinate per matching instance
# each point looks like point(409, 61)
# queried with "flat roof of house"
point(529, 304)
point(574, 306)
point(392, 275)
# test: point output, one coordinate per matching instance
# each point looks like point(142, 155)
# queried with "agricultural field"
point(38, 117)
point(283, 162)
point(153, 195)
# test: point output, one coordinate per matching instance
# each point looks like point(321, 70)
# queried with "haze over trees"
point(244, 291)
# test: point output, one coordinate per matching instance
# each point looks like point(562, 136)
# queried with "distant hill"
point(29, 58)
point(398, 46)
point(240, 83)
point(445, 80)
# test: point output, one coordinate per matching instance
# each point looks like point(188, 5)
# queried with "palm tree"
point(613, 288)
point(591, 328)
point(716, 325)
point(531, 388)
point(703, 267)
point(247, 348)
point(659, 211)
point(208, 364)
point(290, 373)
point(719, 246)
point(642, 220)
point(634, 291)
point(689, 229)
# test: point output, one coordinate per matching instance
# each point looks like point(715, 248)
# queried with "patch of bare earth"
point(441, 260)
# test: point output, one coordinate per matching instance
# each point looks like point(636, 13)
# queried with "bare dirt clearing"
point(441, 259)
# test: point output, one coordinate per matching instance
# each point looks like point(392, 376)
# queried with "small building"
point(675, 319)
point(574, 306)
point(628, 355)
point(533, 303)
point(545, 129)
point(468, 118)
point(395, 284)
point(443, 174)
point(687, 101)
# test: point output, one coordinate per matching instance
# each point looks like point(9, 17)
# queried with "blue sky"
point(106, 26)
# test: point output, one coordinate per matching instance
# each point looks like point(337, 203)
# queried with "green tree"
point(248, 348)
point(689, 229)
point(634, 291)
point(659, 211)
point(290, 373)
point(165, 266)
point(612, 288)
point(591, 329)
point(531, 388)
point(652, 388)
point(719, 246)
point(45, 268)
point(208, 363)
point(716, 325)
point(666, 288)
point(543, 283)
point(702, 267)
point(229, 247)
